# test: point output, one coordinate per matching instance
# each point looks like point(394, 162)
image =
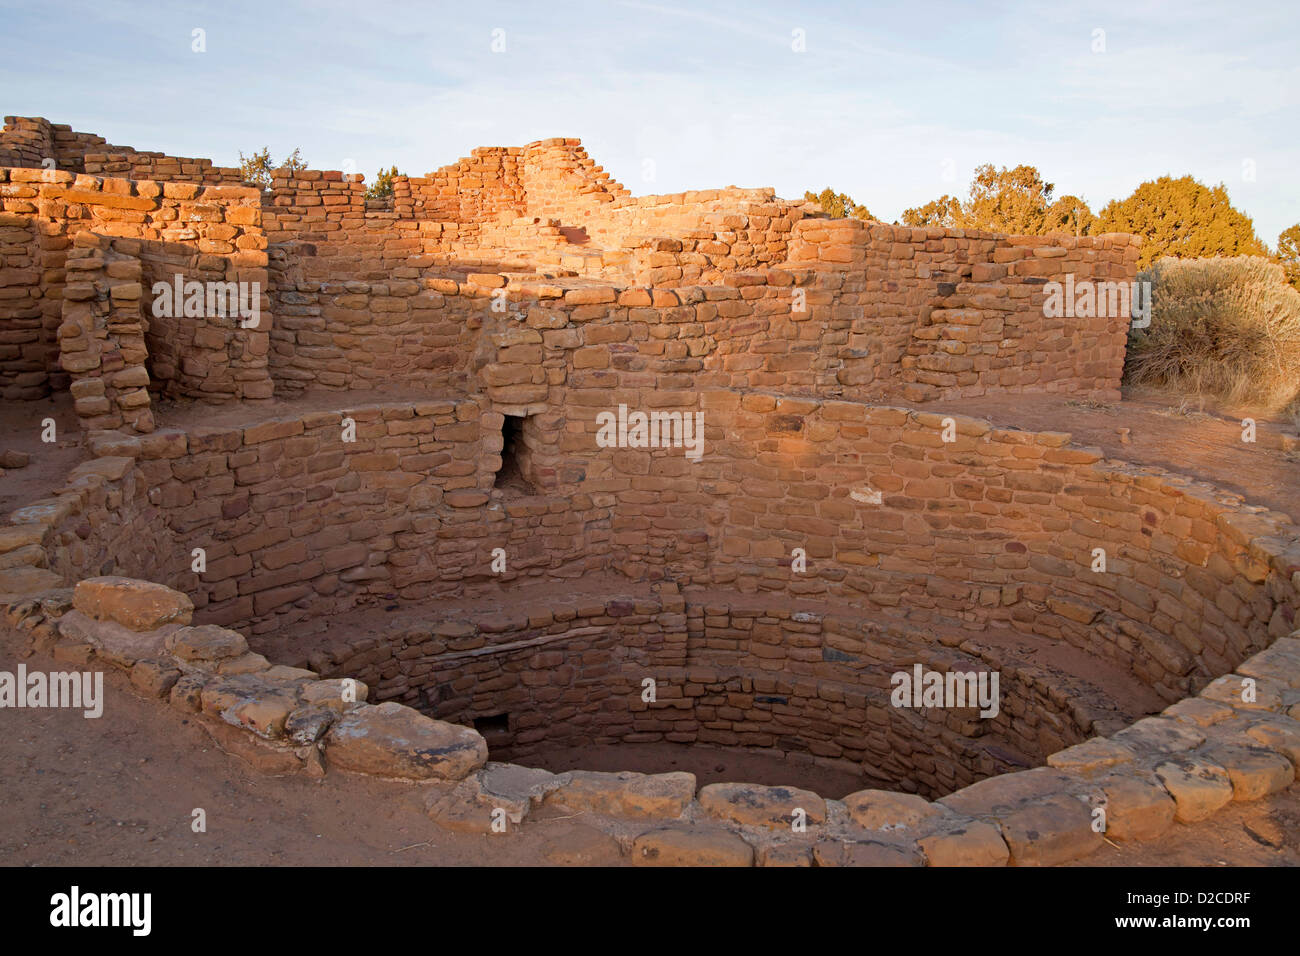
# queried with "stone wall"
point(28, 353)
point(123, 163)
point(1197, 757)
point(732, 673)
point(102, 337)
point(205, 234)
point(35, 142)
point(953, 312)
point(994, 530)
point(787, 300)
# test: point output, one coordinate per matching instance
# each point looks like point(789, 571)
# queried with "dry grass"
point(1226, 328)
point(1092, 405)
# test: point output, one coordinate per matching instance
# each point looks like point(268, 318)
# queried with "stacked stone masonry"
point(510, 300)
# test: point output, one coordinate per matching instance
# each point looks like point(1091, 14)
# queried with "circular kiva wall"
point(770, 590)
point(814, 686)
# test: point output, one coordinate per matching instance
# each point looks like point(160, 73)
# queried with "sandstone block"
point(888, 810)
point(138, 605)
point(866, 853)
point(390, 740)
point(691, 846)
point(1254, 771)
point(153, 678)
point(625, 794)
point(754, 805)
point(1049, 831)
point(206, 642)
point(306, 725)
point(969, 844)
point(1093, 754)
point(1197, 786)
point(119, 645)
point(1136, 809)
point(25, 580)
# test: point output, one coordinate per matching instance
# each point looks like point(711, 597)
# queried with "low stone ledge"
point(968, 844)
point(758, 806)
point(138, 605)
point(391, 740)
point(1198, 786)
point(686, 845)
point(889, 810)
point(625, 793)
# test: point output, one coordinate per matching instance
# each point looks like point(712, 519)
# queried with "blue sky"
point(894, 104)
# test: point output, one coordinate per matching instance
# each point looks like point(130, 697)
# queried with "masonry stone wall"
point(28, 349)
point(880, 311)
point(727, 672)
point(994, 530)
point(102, 336)
point(522, 293)
point(204, 234)
point(35, 142)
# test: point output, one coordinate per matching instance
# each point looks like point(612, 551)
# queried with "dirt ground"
point(21, 430)
point(121, 789)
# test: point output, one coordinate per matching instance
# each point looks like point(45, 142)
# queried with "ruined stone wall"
point(33, 141)
point(28, 353)
point(953, 312)
point(562, 182)
point(26, 141)
point(124, 163)
point(205, 234)
point(728, 672)
point(102, 337)
point(994, 530)
point(481, 186)
point(682, 239)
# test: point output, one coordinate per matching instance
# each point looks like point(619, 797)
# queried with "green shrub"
point(383, 184)
point(1223, 327)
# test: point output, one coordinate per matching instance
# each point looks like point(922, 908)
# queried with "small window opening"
point(494, 725)
point(514, 455)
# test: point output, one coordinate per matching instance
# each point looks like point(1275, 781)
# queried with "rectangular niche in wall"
point(515, 474)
